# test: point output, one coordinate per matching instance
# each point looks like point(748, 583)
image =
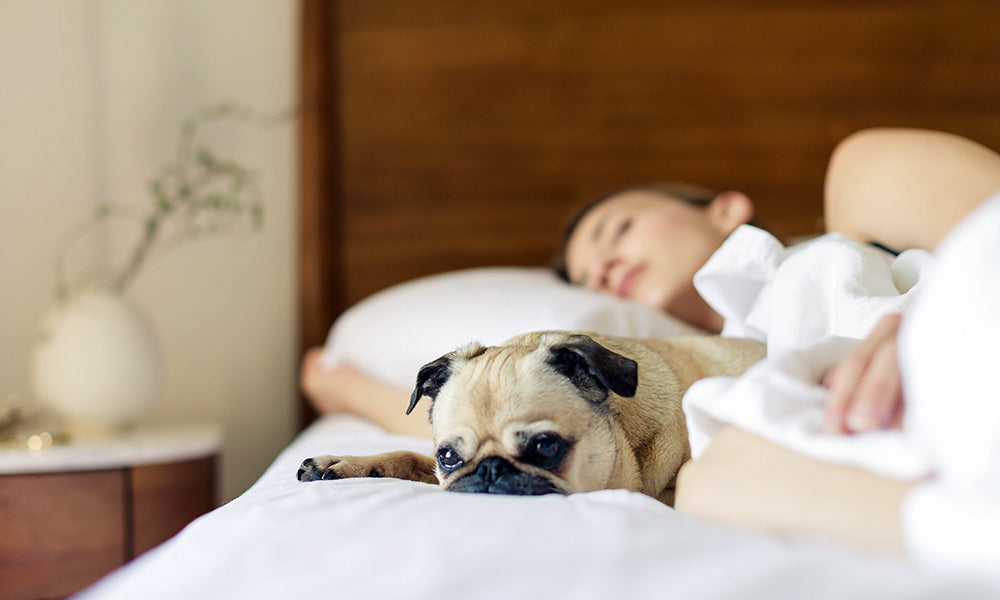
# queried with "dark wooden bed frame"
point(445, 134)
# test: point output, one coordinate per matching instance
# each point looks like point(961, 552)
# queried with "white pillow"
point(394, 332)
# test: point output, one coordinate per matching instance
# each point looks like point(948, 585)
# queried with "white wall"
point(91, 96)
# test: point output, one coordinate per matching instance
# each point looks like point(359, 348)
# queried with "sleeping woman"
point(898, 188)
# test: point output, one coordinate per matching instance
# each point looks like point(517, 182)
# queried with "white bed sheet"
point(385, 538)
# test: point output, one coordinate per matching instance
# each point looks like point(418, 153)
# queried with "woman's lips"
point(628, 281)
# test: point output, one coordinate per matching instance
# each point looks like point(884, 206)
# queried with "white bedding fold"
point(811, 304)
point(794, 297)
point(778, 400)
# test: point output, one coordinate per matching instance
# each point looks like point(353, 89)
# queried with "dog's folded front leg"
point(399, 464)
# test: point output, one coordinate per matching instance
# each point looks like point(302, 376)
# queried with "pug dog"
point(555, 412)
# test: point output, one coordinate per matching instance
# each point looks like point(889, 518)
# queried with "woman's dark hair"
point(689, 193)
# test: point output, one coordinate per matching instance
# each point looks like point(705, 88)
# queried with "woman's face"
point(646, 246)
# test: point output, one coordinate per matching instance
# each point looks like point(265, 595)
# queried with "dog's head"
point(533, 416)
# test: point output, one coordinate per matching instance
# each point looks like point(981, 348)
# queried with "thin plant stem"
point(200, 193)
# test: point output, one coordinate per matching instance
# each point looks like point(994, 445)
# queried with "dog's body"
point(555, 412)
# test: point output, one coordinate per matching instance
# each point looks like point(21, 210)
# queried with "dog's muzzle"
point(496, 475)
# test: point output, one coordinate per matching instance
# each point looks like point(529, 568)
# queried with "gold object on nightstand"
point(21, 429)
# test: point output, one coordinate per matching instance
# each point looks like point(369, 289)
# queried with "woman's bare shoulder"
point(905, 188)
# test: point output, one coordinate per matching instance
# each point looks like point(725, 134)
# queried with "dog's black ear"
point(430, 380)
point(594, 369)
point(432, 376)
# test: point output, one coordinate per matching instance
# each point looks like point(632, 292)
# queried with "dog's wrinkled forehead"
point(492, 380)
point(497, 368)
point(498, 385)
point(524, 359)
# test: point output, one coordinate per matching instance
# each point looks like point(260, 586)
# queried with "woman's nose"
point(602, 275)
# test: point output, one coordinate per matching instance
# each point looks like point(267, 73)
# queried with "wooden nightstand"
point(70, 514)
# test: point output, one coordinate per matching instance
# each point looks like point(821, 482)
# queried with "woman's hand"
point(328, 390)
point(865, 389)
point(346, 389)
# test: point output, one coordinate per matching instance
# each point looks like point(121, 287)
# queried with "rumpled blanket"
point(811, 303)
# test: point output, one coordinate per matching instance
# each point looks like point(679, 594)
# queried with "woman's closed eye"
point(622, 229)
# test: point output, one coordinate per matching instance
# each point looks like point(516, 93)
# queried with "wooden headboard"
point(443, 134)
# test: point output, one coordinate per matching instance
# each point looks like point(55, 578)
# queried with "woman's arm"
point(345, 389)
point(746, 481)
point(905, 188)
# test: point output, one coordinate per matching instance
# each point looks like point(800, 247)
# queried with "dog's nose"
point(494, 467)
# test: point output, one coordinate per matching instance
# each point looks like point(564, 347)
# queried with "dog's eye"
point(545, 450)
point(546, 446)
point(448, 459)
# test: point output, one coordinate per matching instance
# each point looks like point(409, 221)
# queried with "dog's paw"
point(317, 468)
point(337, 467)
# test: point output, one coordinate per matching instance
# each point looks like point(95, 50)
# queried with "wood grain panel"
point(166, 497)
point(470, 129)
point(59, 532)
point(320, 277)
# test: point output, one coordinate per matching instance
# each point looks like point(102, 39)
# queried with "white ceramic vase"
point(97, 362)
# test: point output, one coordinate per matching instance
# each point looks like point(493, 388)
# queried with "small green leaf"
point(257, 216)
point(205, 158)
point(213, 201)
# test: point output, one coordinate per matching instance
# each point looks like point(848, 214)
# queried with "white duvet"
point(811, 303)
point(385, 538)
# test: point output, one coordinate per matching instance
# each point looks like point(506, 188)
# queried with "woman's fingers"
point(845, 379)
point(879, 395)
